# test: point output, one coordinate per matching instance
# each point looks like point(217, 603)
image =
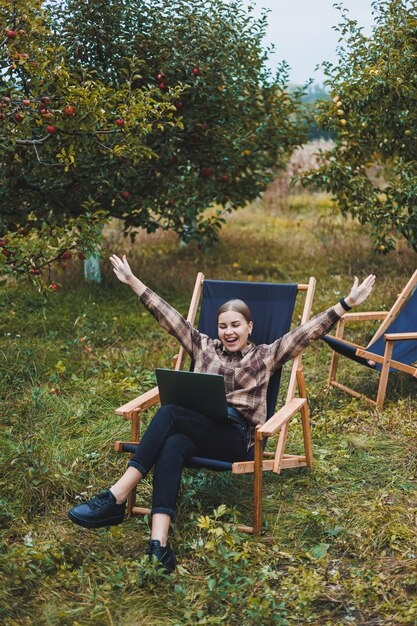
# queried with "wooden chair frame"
point(279, 422)
point(386, 361)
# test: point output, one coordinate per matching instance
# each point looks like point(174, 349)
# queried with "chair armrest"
point(147, 399)
point(365, 316)
point(370, 356)
point(280, 418)
point(400, 336)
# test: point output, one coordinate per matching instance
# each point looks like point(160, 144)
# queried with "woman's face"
point(233, 330)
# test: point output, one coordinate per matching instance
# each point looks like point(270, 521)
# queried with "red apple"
point(26, 102)
point(53, 286)
point(225, 179)
point(81, 256)
point(2, 116)
point(178, 105)
point(195, 71)
point(120, 122)
point(67, 255)
point(69, 110)
point(3, 243)
point(162, 86)
point(125, 195)
point(45, 100)
point(6, 252)
point(11, 34)
point(45, 113)
point(51, 129)
point(63, 266)
point(160, 76)
point(19, 118)
point(35, 271)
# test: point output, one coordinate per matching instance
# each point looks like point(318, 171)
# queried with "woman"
point(175, 433)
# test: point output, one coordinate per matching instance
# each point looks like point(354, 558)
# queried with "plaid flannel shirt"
point(246, 372)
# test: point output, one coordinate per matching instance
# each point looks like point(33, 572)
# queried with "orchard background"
point(161, 114)
point(142, 130)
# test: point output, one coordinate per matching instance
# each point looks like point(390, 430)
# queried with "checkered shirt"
point(248, 371)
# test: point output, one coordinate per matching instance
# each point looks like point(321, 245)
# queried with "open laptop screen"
point(196, 391)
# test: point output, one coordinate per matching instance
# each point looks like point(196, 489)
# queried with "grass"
point(339, 545)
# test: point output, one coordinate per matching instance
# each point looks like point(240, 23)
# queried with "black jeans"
point(172, 437)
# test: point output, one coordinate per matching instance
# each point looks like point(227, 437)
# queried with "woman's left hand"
point(359, 292)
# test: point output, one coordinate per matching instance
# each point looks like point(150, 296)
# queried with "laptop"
point(200, 392)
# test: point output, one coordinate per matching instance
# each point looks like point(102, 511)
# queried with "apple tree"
point(160, 113)
point(64, 132)
point(373, 112)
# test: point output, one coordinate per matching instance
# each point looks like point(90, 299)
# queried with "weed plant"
point(339, 545)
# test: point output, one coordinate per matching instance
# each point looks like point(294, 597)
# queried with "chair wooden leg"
point(383, 380)
point(135, 434)
point(333, 367)
point(257, 484)
point(305, 418)
point(279, 454)
point(131, 502)
point(353, 393)
point(340, 328)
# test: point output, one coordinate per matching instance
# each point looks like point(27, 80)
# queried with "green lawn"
point(339, 545)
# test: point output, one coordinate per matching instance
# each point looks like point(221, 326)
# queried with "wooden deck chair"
point(272, 308)
point(393, 347)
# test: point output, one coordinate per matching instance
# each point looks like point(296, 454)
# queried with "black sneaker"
point(162, 556)
point(101, 510)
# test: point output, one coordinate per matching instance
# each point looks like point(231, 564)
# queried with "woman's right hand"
point(121, 268)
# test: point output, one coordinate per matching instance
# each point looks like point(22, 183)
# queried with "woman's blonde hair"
point(236, 305)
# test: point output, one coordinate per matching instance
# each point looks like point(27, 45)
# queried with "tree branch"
point(32, 142)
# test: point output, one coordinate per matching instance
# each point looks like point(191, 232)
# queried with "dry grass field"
point(339, 545)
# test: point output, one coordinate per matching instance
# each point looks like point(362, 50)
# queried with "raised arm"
point(123, 272)
point(295, 341)
point(167, 317)
point(357, 295)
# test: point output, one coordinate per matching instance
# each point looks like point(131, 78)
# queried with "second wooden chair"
point(392, 348)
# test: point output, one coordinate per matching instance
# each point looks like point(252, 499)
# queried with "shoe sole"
point(87, 523)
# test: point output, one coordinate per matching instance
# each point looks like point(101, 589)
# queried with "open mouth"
point(231, 340)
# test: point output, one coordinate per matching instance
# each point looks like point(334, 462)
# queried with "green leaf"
point(320, 550)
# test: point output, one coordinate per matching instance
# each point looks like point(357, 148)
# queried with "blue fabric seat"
point(406, 322)
point(195, 461)
point(393, 348)
point(272, 306)
point(345, 349)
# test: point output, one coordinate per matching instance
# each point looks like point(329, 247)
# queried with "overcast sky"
point(302, 32)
